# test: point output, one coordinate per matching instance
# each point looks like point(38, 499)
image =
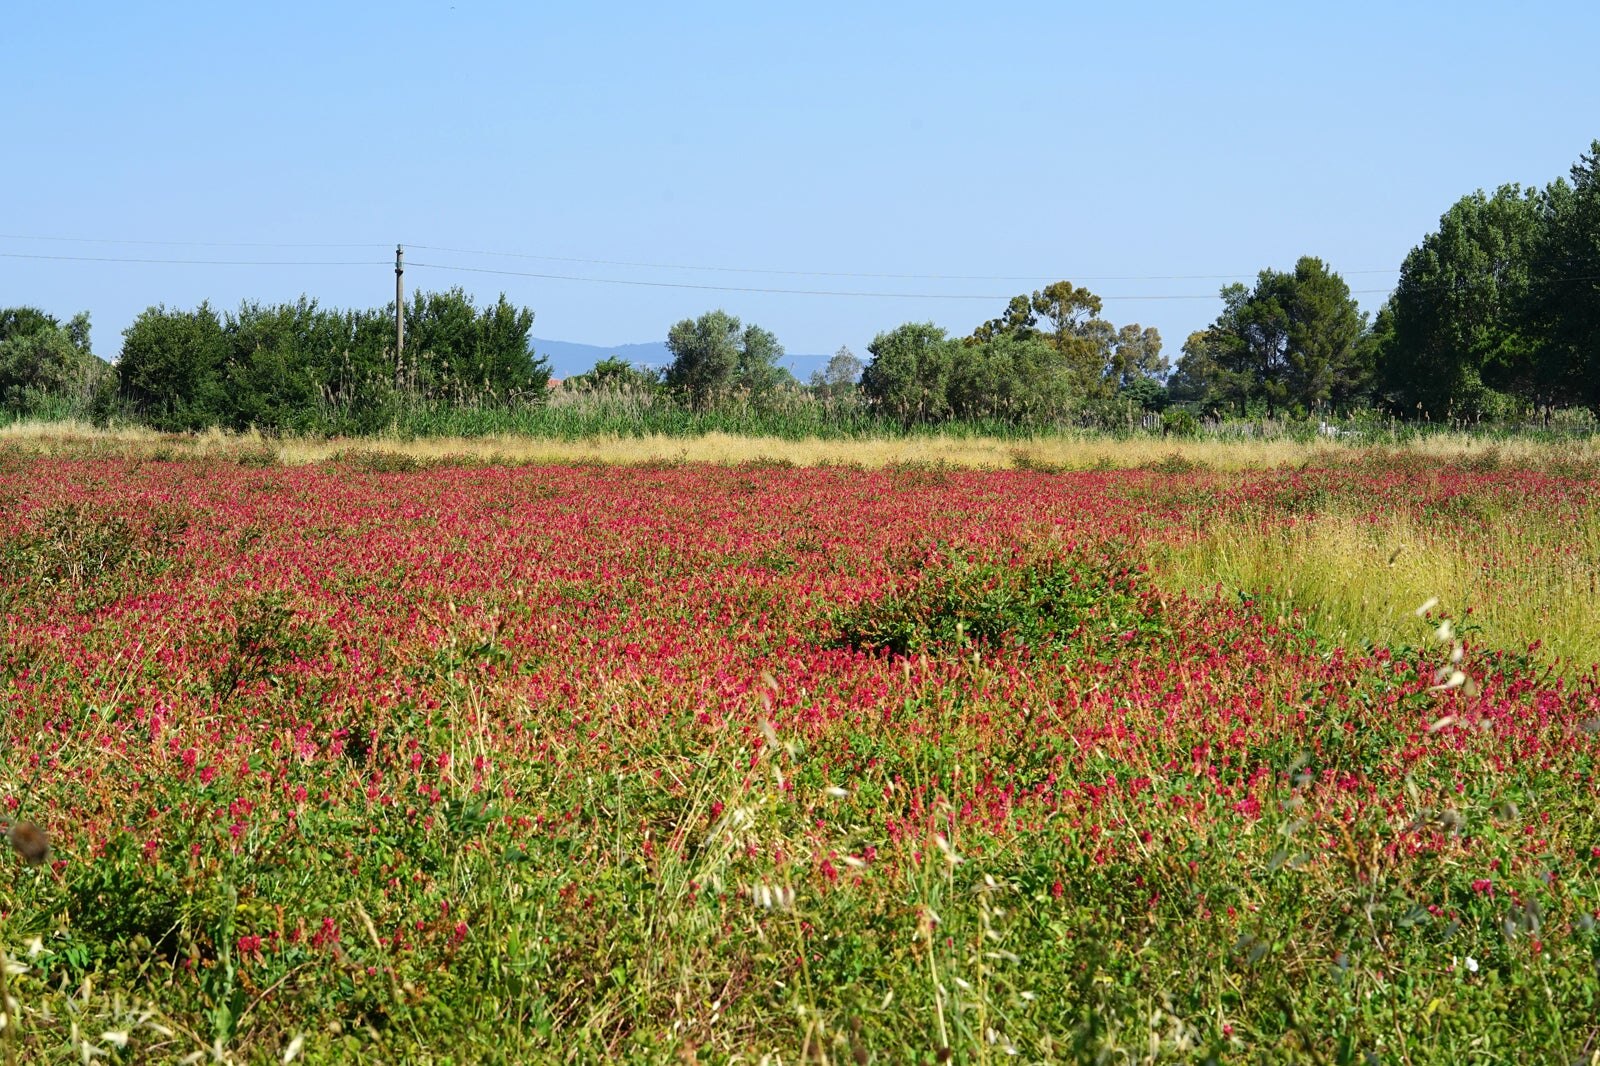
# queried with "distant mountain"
point(568, 357)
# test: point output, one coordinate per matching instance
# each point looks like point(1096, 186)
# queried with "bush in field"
point(48, 368)
point(614, 374)
point(1033, 599)
point(1180, 422)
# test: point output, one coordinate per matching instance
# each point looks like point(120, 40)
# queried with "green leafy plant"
point(1031, 599)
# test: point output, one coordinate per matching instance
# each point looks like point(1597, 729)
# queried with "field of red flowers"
point(478, 763)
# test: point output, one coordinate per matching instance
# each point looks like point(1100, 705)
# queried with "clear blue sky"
point(1034, 139)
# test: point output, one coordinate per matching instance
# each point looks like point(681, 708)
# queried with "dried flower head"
point(31, 842)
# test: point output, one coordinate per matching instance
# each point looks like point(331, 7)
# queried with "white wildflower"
point(772, 897)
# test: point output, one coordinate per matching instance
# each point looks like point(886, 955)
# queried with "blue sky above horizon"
point(1151, 152)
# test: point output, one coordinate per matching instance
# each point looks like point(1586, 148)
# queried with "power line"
point(583, 279)
point(857, 274)
point(637, 264)
point(795, 292)
point(183, 244)
point(192, 262)
point(150, 260)
point(669, 266)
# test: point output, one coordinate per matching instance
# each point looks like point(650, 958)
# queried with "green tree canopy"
point(908, 378)
point(1564, 288)
point(839, 377)
point(715, 353)
point(475, 355)
point(1458, 311)
point(295, 366)
point(43, 361)
point(1066, 317)
point(1294, 340)
point(1015, 379)
point(1136, 356)
point(171, 367)
point(757, 370)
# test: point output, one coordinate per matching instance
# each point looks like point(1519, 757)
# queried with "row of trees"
point(1501, 305)
point(1048, 357)
point(303, 367)
point(286, 367)
point(1496, 311)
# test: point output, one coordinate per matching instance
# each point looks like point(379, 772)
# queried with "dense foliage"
point(45, 366)
point(1294, 341)
point(303, 367)
point(714, 355)
point(1500, 307)
point(1048, 360)
point(1497, 312)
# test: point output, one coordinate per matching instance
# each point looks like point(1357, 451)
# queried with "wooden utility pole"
point(399, 303)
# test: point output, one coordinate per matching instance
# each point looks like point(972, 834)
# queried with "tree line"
point(1496, 314)
point(287, 367)
point(1047, 358)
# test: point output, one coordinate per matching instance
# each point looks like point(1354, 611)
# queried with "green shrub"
point(1028, 600)
point(1179, 423)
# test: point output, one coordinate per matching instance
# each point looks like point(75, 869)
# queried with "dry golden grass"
point(1057, 452)
point(1359, 581)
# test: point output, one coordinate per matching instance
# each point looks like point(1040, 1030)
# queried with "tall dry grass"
point(1059, 452)
point(1512, 580)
